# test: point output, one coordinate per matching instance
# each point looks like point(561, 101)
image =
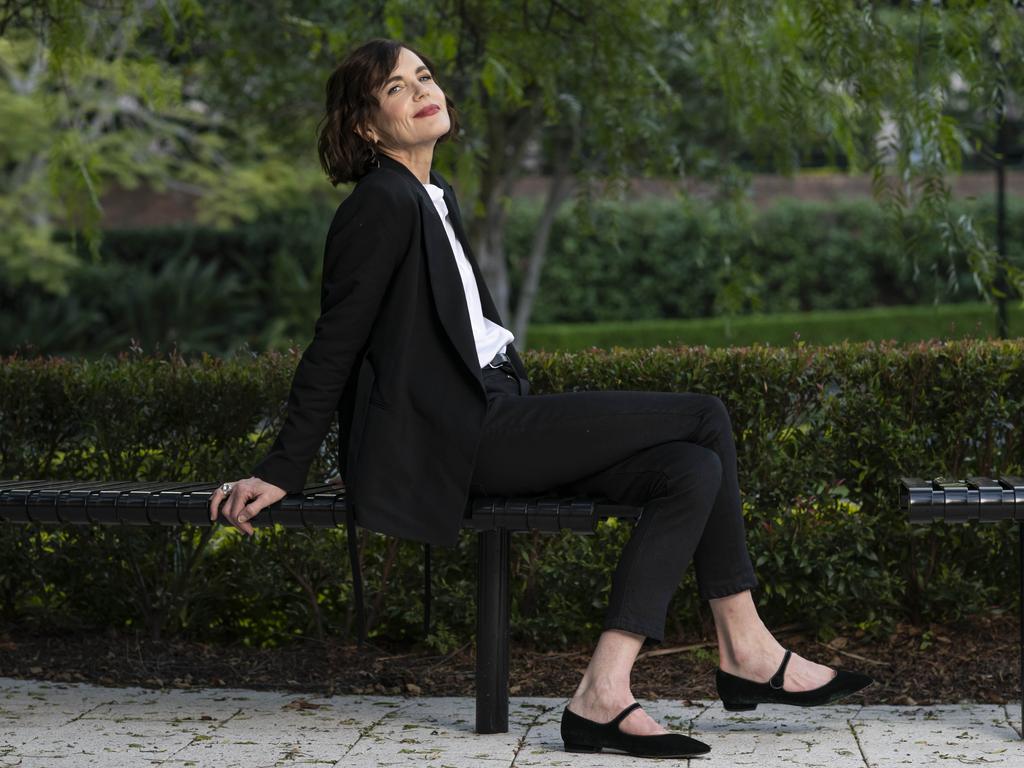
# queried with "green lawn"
point(951, 321)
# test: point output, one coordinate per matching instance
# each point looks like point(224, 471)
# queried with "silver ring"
point(226, 488)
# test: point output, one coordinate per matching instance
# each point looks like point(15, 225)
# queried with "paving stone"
point(80, 726)
point(106, 739)
point(780, 735)
point(226, 752)
point(1013, 715)
point(292, 729)
point(438, 731)
point(75, 761)
point(178, 704)
point(14, 735)
point(47, 705)
point(939, 735)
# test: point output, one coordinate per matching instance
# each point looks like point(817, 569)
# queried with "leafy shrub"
point(823, 435)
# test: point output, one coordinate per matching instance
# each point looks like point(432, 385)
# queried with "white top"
point(490, 337)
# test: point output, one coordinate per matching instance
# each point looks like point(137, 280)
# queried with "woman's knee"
point(711, 469)
point(718, 409)
point(716, 415)
point(694, 466)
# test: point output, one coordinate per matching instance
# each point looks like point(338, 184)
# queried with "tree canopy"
point(223, 98)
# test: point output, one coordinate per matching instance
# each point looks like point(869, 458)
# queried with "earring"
point(374, 160)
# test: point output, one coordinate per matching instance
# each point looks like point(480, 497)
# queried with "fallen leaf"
point(301, 704)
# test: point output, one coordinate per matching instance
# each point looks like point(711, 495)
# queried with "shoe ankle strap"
point(779, 677)
point(622, 715)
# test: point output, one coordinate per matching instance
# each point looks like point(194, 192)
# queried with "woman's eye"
point(392, 88)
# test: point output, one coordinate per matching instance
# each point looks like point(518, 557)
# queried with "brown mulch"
point(974, 660)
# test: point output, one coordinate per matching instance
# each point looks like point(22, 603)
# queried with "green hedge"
point(823, 435)
point(206, 290)
point(914, 323)
point(660, 259)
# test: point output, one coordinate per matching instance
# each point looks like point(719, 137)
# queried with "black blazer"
point(393, 353)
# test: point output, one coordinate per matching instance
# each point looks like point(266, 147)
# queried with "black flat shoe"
point(739, 694)
point(582, 735)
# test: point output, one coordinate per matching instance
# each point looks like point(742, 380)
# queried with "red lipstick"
point(427, 111)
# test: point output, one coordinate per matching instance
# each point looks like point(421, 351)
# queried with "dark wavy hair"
point(344, 154)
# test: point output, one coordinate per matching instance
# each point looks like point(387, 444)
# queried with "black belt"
point(501, 360)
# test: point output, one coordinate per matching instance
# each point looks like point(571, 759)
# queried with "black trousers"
point(671, 453)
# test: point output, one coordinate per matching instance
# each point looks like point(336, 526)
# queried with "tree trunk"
point(508, 136)
point(560, 189)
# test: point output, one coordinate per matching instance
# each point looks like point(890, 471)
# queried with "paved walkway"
point(56, 725)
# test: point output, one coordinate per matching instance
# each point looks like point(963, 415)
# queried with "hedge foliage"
point(973, 319)
point(662, 259)
point(208, 290)
point(823, 435)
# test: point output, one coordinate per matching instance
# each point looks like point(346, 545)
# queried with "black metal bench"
point(494, 520)
point(984, 499)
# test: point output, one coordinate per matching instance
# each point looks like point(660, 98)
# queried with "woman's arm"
point(369, 237)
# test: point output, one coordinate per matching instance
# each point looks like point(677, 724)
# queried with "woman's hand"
point(245, 501)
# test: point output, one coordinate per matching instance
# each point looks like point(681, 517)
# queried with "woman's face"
point(413, 110)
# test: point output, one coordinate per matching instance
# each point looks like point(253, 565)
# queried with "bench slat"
point(985, 499)
point(318, 506)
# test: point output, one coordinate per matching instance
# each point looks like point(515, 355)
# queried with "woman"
point(431, 401)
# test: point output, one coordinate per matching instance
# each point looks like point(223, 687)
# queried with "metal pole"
point(426, 590)
point(492, 609)
point(1020, 563)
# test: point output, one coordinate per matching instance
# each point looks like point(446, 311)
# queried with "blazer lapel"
point(446, 285)
point(445, 279)
point(486, 302)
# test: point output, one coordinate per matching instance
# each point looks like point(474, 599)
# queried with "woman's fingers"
point(246, 500)
point(248, 512)
point(230, 505)
point(216, 498)
point(242, 506)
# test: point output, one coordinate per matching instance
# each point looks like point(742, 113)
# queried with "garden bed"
point(974, 660)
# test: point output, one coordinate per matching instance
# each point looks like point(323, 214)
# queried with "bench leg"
point(492, 608)
point(1020, 557)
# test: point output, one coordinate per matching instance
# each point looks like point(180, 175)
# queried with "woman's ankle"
point(602, 685)
point(751, 655)
point(603, 692)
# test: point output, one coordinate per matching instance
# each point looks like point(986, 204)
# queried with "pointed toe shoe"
point(739, 694)
point(583, 735)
